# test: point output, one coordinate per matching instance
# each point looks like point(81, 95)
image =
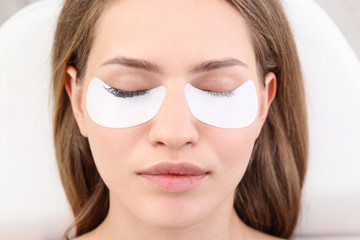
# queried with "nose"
point(174, 125)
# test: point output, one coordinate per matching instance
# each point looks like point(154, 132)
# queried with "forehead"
point(172, 33)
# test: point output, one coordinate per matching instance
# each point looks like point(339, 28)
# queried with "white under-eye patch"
point(113, 108)
point(235, 109)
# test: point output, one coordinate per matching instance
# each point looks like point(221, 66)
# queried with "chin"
point(175, 215)
point(173, 222)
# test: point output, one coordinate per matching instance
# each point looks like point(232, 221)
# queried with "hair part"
point(268, 196)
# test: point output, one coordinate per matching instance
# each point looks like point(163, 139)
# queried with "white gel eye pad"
point(236, 109)
point(113, 108)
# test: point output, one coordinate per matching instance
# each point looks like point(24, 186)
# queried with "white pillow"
point(33, 203)
point(331, 203)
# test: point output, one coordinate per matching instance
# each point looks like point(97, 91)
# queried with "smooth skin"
point(174, 35)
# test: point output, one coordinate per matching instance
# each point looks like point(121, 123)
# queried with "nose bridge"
point(173, 125)
point(175, 100)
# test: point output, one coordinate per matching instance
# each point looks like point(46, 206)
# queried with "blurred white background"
point(345, 13)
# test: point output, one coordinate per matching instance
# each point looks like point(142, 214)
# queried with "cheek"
point(239, 149)
point(111, 149)
point(233, 149)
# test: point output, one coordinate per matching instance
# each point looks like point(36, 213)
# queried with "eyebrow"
point(216, 64)
point(152, 67)
point(133, 63)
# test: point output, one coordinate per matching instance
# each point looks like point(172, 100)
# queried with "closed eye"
point(125, 94)
point(219, 94)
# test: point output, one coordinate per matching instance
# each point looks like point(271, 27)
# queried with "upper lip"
point(176, 169)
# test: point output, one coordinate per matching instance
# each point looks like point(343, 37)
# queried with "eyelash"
point(130, 94)
point(219, 94)
point(126, 94)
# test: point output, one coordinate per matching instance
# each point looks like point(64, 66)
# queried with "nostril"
point(172, 128)
point(174, 142)
point(160, 144)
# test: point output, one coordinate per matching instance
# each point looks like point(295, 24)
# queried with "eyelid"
point(125, 94)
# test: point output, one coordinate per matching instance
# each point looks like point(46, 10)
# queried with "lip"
point(174, 177)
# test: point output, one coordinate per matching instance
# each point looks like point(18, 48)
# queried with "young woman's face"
point(174, 35)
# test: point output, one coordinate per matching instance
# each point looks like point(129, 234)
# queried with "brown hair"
point(268, 196)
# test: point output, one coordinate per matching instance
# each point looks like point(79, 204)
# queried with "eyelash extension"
point(125, 94)
point(219, 94)
point(129, 94)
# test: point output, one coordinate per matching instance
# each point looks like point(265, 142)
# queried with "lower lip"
point(174, 183)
